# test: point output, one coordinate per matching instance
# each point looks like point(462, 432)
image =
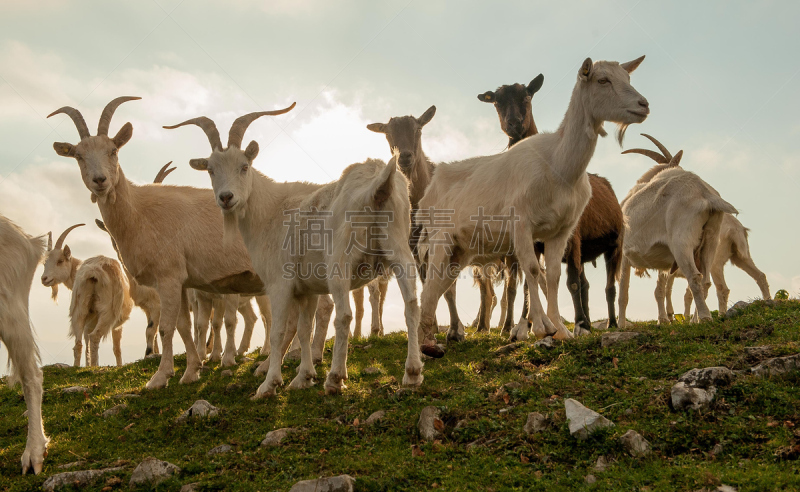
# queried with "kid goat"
point(364, 219)
point(539, 190)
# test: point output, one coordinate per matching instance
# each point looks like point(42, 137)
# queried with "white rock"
point(635, 444)
point(75, 389)
point(60, 365)
point(126, 395)
point(342, 483)
point(274, 438)
point(153, 356)
point(114, 410)
point(152, 471)
point(736, 308)
point(601, 465)
point(685, 397)
point(371, 370)
point(76, 479)
point(590, 479)
point(600, 324)
point(726, 488)
point(375, 417)
point(545, 343)
point(226, 373)
point(67, 466)
point(536, 422)
point(583, 421)
point(777, 366)
point(708, 377)
point(224, 448)
point(617, 337)
point(427, 424)
point(200, 408)
point(191, 487)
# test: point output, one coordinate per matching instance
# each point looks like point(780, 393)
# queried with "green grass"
point(629, 384)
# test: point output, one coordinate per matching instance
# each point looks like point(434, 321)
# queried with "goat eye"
point(210, 172)
point(602, 81)
point(244, 168)
point(59, 262)
point(114, 152)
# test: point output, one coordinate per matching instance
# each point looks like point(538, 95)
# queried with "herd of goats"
point(499, 214)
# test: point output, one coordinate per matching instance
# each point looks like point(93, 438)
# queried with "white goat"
point(308, 239)
point(21, 255)
point(539, 190)
point(169, 237)
point(672, 220)
point(733, 247)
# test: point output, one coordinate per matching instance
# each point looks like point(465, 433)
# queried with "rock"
point(544, 343)
point(591, 479)
point(684, 396)
point(200, 408)
point(275, 437)
point(226, 373)
point(736, 309)
point(601, 465)
point(777, 366)
point(292, 355)
point(152, 471)
point(153, 356)
point(583, 421)
point(76, 479)
point(512, 385)
point(114, 410)
point(717, 449)
point(219, 450)
point(428, 423)
point(59, 365)
point(371, 370)
point(375, 417)
point(628, 411)
point(342, 483)
point(726, 488)
point(601, 324)
point(635, 444)
point(126, 395)
point(401, 392)
point(536, 422)
point(191, 487)
point(67, 466)
point(761, 352)
point(75, 389)
point(617, 337)
point(507, 349)
point(708, 377)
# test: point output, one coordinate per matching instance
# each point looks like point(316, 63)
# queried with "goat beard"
point(54, 292)
point(621, 129)
point(230, 228)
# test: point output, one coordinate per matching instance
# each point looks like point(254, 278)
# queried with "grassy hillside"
point(630, 384)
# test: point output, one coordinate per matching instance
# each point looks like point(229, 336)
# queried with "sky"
point(721, 78)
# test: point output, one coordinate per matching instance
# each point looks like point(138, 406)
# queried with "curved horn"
point(649, 153)
point(50, 241)
point(236, 135)
point(63, 236)
point(208, 126)
point(663, 149)
point(77, 118)
point(163, 172)
point(108, 112)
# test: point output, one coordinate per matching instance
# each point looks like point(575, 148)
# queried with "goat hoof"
point(301, 381)
point(190, 376)
point(563, 334)
point(334, 384)
point(228, 362)
point(262, 368)
point(158, 381)
point(413, 377)
point(33, 460)
point(454, 336)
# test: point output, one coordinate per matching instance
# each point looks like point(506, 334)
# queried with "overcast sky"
point(721, 79)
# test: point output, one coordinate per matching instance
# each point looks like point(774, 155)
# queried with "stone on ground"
point(152, 471)
point(114, 410)
point(429, 424)
point(341, 483)
point(275, 437)
point(601, 465)
point(583, 421)
point(635, 444)
point(371, 370)
point(69, 480)
point(685, 397)
point(375, 417)
point(75, 389)
point(545, 343)
point(507, 349)
point(777, 366)
point(222, 449)
point(200, 408)
point(708, 377)
point(536, 422)
point(617, 337)
point(736, 309)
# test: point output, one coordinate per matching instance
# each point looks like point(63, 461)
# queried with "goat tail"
point(717, 204)
point(80, 305)
point(615, 258)
point(383, 184)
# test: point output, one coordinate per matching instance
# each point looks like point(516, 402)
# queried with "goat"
point(100, 301)
point(599, 230)
point(364, 219)
point(21, 255)
point(405, 134)
point(169, 237)
point(672, 220)
point(733, 246)
point(539, 188)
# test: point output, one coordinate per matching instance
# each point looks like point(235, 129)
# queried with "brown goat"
point(600, 228)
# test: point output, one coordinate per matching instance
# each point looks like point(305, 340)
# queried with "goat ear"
point(676, 160)
point(67, 252)
point(199, 164)
point(487, 97)
point(377, 127)
point(586, 69)
point(251, 151)
point(535, 85)
point(64, 149)
point(123, 135)
point(426, 116)
point(632, 65)
point(100, 224)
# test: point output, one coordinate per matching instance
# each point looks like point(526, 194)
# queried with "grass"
point(629, 384)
